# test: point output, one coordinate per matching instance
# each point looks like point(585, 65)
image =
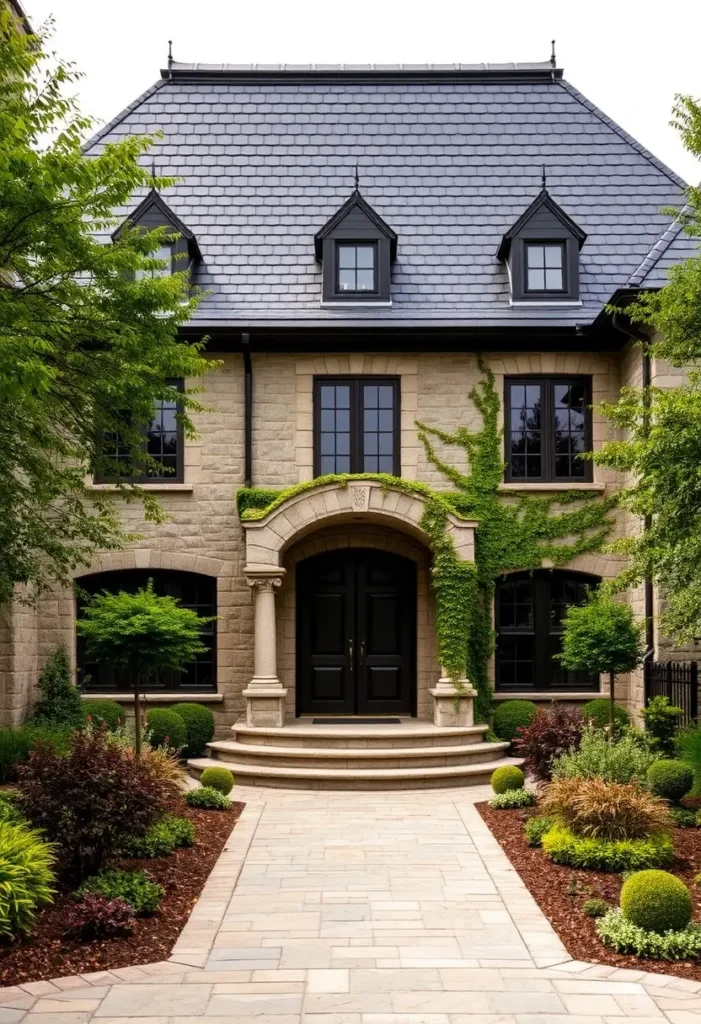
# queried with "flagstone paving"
point(361, 908)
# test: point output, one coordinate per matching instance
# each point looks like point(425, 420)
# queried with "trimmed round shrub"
point(595, 908)
point(670, 779)
point(512, 714)
point(508, 777)
point(166, 729)
point(597, 712)
point(108, 712)
point(220, 779)
point(656, 901)
point(199, 724)
point(208, 799)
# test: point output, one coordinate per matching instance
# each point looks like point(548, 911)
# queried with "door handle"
point(350, 654)
point(362, 653)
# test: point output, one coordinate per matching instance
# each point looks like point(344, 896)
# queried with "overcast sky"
point(628, 58)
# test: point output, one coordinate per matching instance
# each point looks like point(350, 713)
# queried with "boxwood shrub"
point(597, 712)
point(507, 777)
point(511, 714)
point(656, 901)
point(199, 725)
point(105, 712)
point(670, 780)
point(218, 778)
point(166, 729)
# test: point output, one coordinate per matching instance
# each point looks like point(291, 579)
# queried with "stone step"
point(356, 757)
point(326, 777)
point(409, 734)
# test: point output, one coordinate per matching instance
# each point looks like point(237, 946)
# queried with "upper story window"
point(547, 429)
point(163, 253)
point(356, 425)
point(356, 248)
point(181, 253)
point(162, 441)
point(541, 251)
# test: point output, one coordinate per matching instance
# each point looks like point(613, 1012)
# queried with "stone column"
point(452, 705)
point(265, 695)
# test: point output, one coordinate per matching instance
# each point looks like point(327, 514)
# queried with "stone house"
point(365, 235)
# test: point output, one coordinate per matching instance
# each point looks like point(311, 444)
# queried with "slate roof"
point(449, 155)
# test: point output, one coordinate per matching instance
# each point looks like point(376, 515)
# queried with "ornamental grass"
point(597, 809)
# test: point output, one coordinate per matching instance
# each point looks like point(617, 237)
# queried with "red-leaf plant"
point(551, 733)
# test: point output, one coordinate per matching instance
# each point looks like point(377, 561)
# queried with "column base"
point(265, 708)
point(452, 707)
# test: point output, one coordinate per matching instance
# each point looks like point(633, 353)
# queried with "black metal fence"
point(678, 681)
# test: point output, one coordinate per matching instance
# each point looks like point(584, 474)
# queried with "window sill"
point(160, 698)
point(163, 486)
point(574, 486)
point(525, 303)
point(547, 695)
point(355, 305)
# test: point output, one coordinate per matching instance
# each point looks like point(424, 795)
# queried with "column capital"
point(265, 579)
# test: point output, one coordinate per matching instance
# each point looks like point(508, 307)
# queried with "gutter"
point(247, 409)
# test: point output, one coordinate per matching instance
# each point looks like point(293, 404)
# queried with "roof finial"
point(357, 179)
point(545, 184)
point(170, 54)
point(553, 60)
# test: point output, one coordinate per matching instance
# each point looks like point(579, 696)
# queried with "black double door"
point(356, 634)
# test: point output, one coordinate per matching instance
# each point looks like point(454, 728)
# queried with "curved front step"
point(280, 777)
point(410, 733)
point(356, 757)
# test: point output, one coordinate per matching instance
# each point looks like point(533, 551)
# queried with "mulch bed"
point(560, 892)
point(47, 954)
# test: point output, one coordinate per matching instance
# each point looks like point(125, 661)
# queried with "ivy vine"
point(516, 530)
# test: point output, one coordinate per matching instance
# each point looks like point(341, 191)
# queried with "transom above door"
point(356, 425)
point(356, 634)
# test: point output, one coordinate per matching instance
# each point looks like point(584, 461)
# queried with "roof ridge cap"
point(657, 251)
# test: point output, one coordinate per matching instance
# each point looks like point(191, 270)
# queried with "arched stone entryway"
point(268, 540)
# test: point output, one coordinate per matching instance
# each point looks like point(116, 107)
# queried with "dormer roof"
point(542, 200)
point(153, 211)
point(355, 201)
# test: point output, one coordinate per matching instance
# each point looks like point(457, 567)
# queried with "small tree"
point(602, 636)
point(143, 632)
point(59, 699)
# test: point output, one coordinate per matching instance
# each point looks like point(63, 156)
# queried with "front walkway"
point(362, 908)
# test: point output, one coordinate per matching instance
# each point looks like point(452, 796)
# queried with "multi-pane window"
point(164, 253)
point(163, 442)
point(191, 590)
point(356, 267)
point(545, 267)
point(529, 612)
point(548, 428)
point(356, 425)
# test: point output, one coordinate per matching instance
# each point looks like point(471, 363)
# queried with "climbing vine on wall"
point(517, 530)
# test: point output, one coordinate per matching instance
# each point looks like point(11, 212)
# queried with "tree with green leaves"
point(142, 632)
point(601, 636)
point(59, 701)
point(87, 344)
point(662, 427)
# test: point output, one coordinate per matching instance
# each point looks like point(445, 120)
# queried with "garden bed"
point(561, 891)
point(47, 954)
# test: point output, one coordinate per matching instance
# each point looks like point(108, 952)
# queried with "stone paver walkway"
point(362, 908)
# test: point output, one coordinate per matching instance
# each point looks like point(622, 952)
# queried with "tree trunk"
point(612, 704)
point(137, 715)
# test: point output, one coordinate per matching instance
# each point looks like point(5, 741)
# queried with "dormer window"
point(356, 248)
point(182, 253)
point(541, 251)
point(165, 254)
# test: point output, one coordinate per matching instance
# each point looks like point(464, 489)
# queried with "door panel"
point(356, 634)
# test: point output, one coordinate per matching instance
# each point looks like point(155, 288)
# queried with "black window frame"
point(356, 383)
point(348, 243)
point(547, 675)
point(169, 681)
point(547, 383)
point(545, 243)
point(178, 477)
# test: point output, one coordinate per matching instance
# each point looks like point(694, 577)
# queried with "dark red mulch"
point(560, 892)
point(46, 954)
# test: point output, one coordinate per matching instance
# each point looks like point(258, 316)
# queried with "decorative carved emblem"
point(359, 497)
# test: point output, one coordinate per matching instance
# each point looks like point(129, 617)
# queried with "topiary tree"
point(143, 632)
point(59, 699)
point(602, 636)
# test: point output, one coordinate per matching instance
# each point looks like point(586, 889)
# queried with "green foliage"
point(507, 777)
point(136, 888)
point(597, 712)
point(689, 751)
point(86, 348)
point(108, 712)
point(166, 729)
point(626, 937)
point(670, 780)
point(624, 760)
point(595, 908)
point(563, 847)
point(661, 723)
point(11, 808)
point(199, 723)
point(218, 778)
point(16, 744)
point(682, 817)
point(26, 877)
point(536, 827)
point(208, 799)
point(512, 798)
point(656, 901)
point(254, 502)
point(59, 700)
point(511, 714)
point(161, 838)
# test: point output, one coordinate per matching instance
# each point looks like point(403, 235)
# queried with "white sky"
point(629, 58)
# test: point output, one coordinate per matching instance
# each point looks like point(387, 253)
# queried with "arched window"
point(529, 612)
point(192, 591)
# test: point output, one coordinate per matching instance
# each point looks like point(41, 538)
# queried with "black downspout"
point(247, 410)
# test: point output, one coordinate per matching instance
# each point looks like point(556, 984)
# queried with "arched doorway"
point(356, 633)
point(529, 612)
